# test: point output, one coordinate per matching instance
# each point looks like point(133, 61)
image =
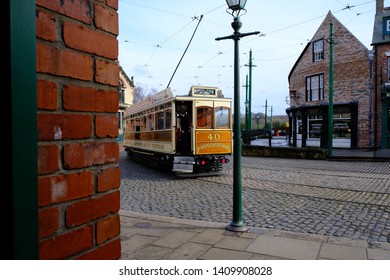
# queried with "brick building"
point(63, 149)
point(309, 90)
point(381, 75)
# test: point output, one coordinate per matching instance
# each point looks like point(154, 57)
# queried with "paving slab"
point(224, 254)
point(135, 242)
point(378, 254)
point(342, 252)
point(266, 257)
point(233, 243)
point(284, 247)
point(174, 239)
point(149, 252)
point(188, 251)
point(158, 229)
point(209, 236)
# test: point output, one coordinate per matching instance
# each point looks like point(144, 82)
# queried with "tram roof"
point(166, 95)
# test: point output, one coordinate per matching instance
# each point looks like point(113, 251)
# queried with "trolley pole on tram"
point(236, 6)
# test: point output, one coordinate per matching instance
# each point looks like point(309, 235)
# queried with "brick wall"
point(351, 73)
point(78, 155)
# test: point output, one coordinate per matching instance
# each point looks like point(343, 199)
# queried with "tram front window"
point(204, 117)
point(222, 117)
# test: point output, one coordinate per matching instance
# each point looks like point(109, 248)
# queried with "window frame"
point(311, 91)
point(318, 55)
point(204, 115)
point(219, 123)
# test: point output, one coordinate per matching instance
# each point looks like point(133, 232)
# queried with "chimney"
point(379, 6)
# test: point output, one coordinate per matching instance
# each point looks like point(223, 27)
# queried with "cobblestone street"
point(336, 198)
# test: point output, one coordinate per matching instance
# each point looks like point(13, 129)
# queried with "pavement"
point(362, 154)
point(155, 237)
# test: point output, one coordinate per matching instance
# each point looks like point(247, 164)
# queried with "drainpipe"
point(370, 56)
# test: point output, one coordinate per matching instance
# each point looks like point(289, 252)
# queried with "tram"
point(185, 134)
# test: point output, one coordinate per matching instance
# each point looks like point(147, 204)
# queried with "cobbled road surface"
point(336, 198)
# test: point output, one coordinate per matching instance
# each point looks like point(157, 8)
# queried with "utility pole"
point(330, 109)
point(265, 117)
point(246, 112)
point(271, 125)
point(270, 131)
point(250, 65)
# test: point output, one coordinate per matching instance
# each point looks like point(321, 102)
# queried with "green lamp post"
point(235, 7)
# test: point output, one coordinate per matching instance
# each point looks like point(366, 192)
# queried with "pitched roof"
point(319, 34)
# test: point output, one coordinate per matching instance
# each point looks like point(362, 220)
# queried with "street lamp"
point(236, 6)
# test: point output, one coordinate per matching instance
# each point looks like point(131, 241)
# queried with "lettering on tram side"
point(212, 145)
point(156, 146)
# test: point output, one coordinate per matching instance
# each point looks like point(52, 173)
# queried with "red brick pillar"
point(78, 155)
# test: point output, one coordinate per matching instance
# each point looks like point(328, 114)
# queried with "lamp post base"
point(236, 227)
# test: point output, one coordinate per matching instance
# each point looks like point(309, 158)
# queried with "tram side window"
point(168, 118)
point(222, 119)
point(143, 123)
point(136, 125)
point(204, 117)
point(131, 126)
point(160, 120)
point(150, 122)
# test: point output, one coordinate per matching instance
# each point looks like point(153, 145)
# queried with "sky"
point(172, 43)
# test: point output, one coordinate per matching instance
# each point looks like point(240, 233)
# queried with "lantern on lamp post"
point(235, 7)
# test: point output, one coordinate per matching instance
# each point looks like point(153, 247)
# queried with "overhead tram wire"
point(176, 14)
point(346, 7)
point(152, 8)
point(185, 51)
point(160, 45)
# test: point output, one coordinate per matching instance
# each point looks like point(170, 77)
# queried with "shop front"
point(310, 126)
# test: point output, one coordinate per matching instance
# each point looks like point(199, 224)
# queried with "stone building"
point(309, 90)
point(381, 75)
point(125, 94)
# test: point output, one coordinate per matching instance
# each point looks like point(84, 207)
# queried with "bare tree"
point(142, 92)
point(138, 94)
